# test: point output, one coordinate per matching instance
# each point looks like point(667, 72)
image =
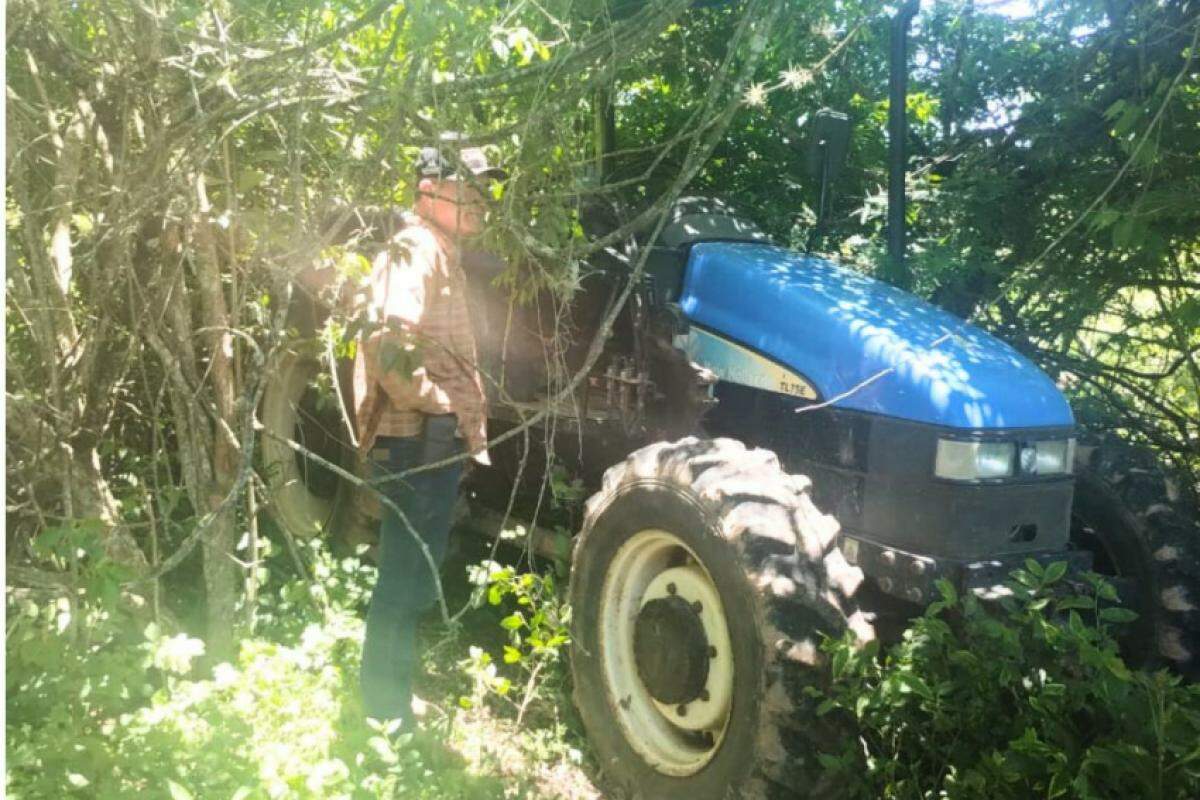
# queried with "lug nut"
point(682, 710)
point(697, 607)
point(704, 695)
point(670, 588)
point(712, 651)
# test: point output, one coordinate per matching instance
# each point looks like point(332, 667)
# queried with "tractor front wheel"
point(701, 584)
point(1138, 532)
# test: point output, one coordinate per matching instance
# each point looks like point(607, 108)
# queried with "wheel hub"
point(667, 652)
point(671, 650)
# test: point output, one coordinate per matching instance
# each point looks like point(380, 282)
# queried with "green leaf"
point(840, 657)
point(1125, 233)
point(513, 621)
point(383, 749)
point(947, 590)
point(511, 654)
point(1117, 667)
point(1119, 615)
point(1055, 571)
point(912, 683)
point(1115, 110)
point(177, 791)
point(1129, 117)
point(964, 658)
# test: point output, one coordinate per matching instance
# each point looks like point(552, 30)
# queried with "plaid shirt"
point(423, 360)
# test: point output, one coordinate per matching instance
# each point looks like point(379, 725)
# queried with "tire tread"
point(1169, 529)
point(789, 552)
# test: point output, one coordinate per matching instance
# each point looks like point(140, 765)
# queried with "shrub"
point(1017, 699)
point(537, 628)
point(102, 705)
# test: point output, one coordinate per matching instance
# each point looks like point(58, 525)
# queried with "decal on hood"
point(734, 363)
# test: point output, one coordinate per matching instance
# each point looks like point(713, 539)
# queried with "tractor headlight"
point(969, 461)
point(1049, 457)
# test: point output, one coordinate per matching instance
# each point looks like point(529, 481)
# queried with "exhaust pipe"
point(897, 270)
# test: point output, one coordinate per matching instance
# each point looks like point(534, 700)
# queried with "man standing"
point(419, 401)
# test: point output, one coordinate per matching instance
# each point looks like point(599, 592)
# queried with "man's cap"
point(439, 162)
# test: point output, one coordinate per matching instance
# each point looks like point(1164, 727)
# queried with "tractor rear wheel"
point(701, 584)
point(1124, 513)
point(306, 498)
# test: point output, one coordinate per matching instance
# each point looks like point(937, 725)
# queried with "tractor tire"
point(306, 499)
point(701, 584)
point(1126, 515)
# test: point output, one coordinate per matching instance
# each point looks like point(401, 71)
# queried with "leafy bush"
point(102, 705)
point(102, 702)
point(288, 604)
point(537, 630)
point(1019, 699)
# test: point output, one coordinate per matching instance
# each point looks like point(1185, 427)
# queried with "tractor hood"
point(860, 343)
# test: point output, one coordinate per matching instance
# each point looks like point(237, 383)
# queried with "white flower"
point(796, 78)
point(756, 95)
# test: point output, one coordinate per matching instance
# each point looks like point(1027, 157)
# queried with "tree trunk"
point(220, 569)
point(58, 430)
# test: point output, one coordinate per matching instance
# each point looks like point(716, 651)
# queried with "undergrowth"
point(1028, 697)
point(1024, 697)
point(103, 702)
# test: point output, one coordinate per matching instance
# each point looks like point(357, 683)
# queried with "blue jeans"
point(405, 586)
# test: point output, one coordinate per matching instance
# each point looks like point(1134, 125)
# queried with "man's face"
point(455, 206)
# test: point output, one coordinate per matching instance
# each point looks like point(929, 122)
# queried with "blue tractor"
point(801, 450)
point(778, 448)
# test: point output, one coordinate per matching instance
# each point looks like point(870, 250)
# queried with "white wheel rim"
point(641, 571)
point(301, 511)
